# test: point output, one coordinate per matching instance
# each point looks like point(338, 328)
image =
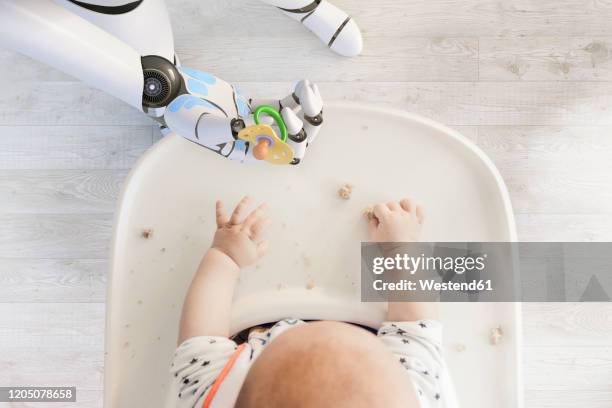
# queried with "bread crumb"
point(345, 191)
point(126, 344)
point(310, 284)
point(306, 261)
point(162, 250)
point(369, 213)
point(460, 348)
point(140, 302)
point(281, 286)
point(496, 335)
point(147, 233)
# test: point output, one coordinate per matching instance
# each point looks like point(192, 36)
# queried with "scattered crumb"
point(365, 127)
point(345, 191)
point(131, 271)
point(496, 335)
point(310, 284)
point(202, 219)
point(140, 302)
point(133, 355)
point(460, 348)
point(369, 213)
point(147, 233)
point(158, 338)
point(284, 224)
point(162, 250)
point(296, 243)
point(281, 286)
point(126, 344)
point(306, 260)
point(127, 326)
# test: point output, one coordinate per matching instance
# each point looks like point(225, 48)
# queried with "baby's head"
point(326, 364)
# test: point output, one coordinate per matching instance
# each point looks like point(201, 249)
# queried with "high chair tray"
point(165, 221)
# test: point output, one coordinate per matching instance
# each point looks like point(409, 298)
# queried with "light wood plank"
point(60, 326)
point(60, 191)
point(567, 398)
point(545, 59)
point(564, 227)
point(385, 60)
point(34, 103)
point(53, 280)
point(73, 147)
point(55, 344)
point(420, 18)
point(553, 170)
point(567, 324)
point(55, 235)
point(562, 367)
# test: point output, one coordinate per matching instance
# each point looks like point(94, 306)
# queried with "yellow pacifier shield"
point(266, 145)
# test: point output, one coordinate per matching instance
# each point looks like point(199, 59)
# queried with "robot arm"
point(210, 112)
point(195, 105)
point(49, 33)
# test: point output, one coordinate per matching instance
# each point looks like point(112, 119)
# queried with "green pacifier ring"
point(273, 113)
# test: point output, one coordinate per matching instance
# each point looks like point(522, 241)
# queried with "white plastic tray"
point(385, 155)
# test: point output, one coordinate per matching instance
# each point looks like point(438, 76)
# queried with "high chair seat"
point(165, 221)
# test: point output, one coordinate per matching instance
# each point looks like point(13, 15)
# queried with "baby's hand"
point(240, 237)
point(396, 222)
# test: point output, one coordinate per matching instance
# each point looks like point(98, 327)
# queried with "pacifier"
point(267, 145)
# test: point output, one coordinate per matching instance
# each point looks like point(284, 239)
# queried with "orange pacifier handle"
point(260, 152)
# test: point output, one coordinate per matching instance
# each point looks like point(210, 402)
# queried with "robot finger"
point(297, 137)
point(310, 99)
point(312, 111)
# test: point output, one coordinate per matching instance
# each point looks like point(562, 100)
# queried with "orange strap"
point(222, 375)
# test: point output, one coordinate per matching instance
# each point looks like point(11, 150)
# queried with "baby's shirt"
point(208, 371)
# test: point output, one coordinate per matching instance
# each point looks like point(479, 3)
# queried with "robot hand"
point(303, 117)
point(216, 115)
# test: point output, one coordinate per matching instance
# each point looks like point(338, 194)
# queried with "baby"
point(298, 364)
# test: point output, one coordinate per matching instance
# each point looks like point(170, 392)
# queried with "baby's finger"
point(262, 248)
point(420, 213)
point(393, 206)
point(407, 205)
point(238, 213)
point(372, 226)
point(259, 228)
point(255, 215)
point(381, 210)
point(221, 216)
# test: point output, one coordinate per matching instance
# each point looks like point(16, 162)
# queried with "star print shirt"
point(208, 371)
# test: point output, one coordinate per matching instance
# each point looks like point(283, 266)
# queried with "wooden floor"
point(530, 81)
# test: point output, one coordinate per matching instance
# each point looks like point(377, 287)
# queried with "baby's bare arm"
point(401, 222)
point(237, 243)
